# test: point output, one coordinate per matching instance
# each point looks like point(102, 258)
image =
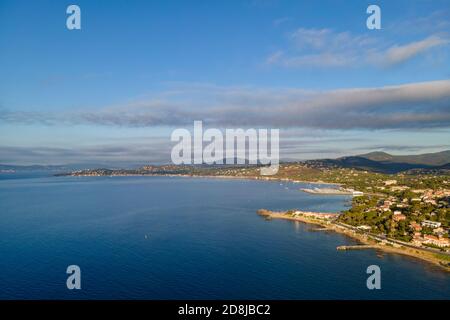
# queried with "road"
point(384, 238)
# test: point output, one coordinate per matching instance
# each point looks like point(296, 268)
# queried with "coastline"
point(327, 225)
point(259, 178)
point(363, 239)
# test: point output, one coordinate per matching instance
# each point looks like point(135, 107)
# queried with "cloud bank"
point(413, 105)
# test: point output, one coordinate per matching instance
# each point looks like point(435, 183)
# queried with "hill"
point(387, 163)
point(429, 159)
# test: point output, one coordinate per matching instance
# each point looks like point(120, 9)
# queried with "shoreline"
point(259, 178)
point(422, 255)
point(328, 225)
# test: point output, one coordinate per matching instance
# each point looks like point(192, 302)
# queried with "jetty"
point(319, 229)
point(357, 247)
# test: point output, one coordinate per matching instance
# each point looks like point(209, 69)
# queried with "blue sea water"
point(186, 238)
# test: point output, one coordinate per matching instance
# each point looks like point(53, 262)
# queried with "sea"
point(186, 238)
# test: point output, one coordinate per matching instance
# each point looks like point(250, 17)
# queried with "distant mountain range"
point(430, 159)
point(373, 161)
point(66, 167)
point(387, 163)
point(31, 167)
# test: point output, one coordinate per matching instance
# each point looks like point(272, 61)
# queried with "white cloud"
point(322, 59)
point(274, 57)
point(321, 47)
point(398, 54)
point(328, 48)
point(280, 21)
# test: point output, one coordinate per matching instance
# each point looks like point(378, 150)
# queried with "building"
point(430, 224)
point(440, 242)
point(415, 226)
point(399, 188)
point(399, 217)
point(316, 215)
point(438, 230)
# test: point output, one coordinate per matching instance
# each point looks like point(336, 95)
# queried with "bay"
point(186, 238)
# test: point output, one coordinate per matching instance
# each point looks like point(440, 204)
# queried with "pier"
point(357, 247)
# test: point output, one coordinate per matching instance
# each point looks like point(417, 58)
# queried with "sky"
point(114, 91)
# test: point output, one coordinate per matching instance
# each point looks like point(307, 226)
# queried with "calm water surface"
point(185, 238)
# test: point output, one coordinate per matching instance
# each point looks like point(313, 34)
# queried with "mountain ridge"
point(377, 161)
point(433, 159)
point(380, 161)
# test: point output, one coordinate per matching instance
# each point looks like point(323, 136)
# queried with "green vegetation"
point(443, 257)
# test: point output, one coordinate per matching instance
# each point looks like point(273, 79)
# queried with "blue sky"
point(114, 90)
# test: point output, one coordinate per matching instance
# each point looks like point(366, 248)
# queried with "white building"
point(431, 224)
point(390, 182)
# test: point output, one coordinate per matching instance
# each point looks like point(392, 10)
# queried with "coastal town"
point(412, 215)
point(405, 209)
point(365, 238)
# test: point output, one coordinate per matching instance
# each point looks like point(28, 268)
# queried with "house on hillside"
point(430, 224)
